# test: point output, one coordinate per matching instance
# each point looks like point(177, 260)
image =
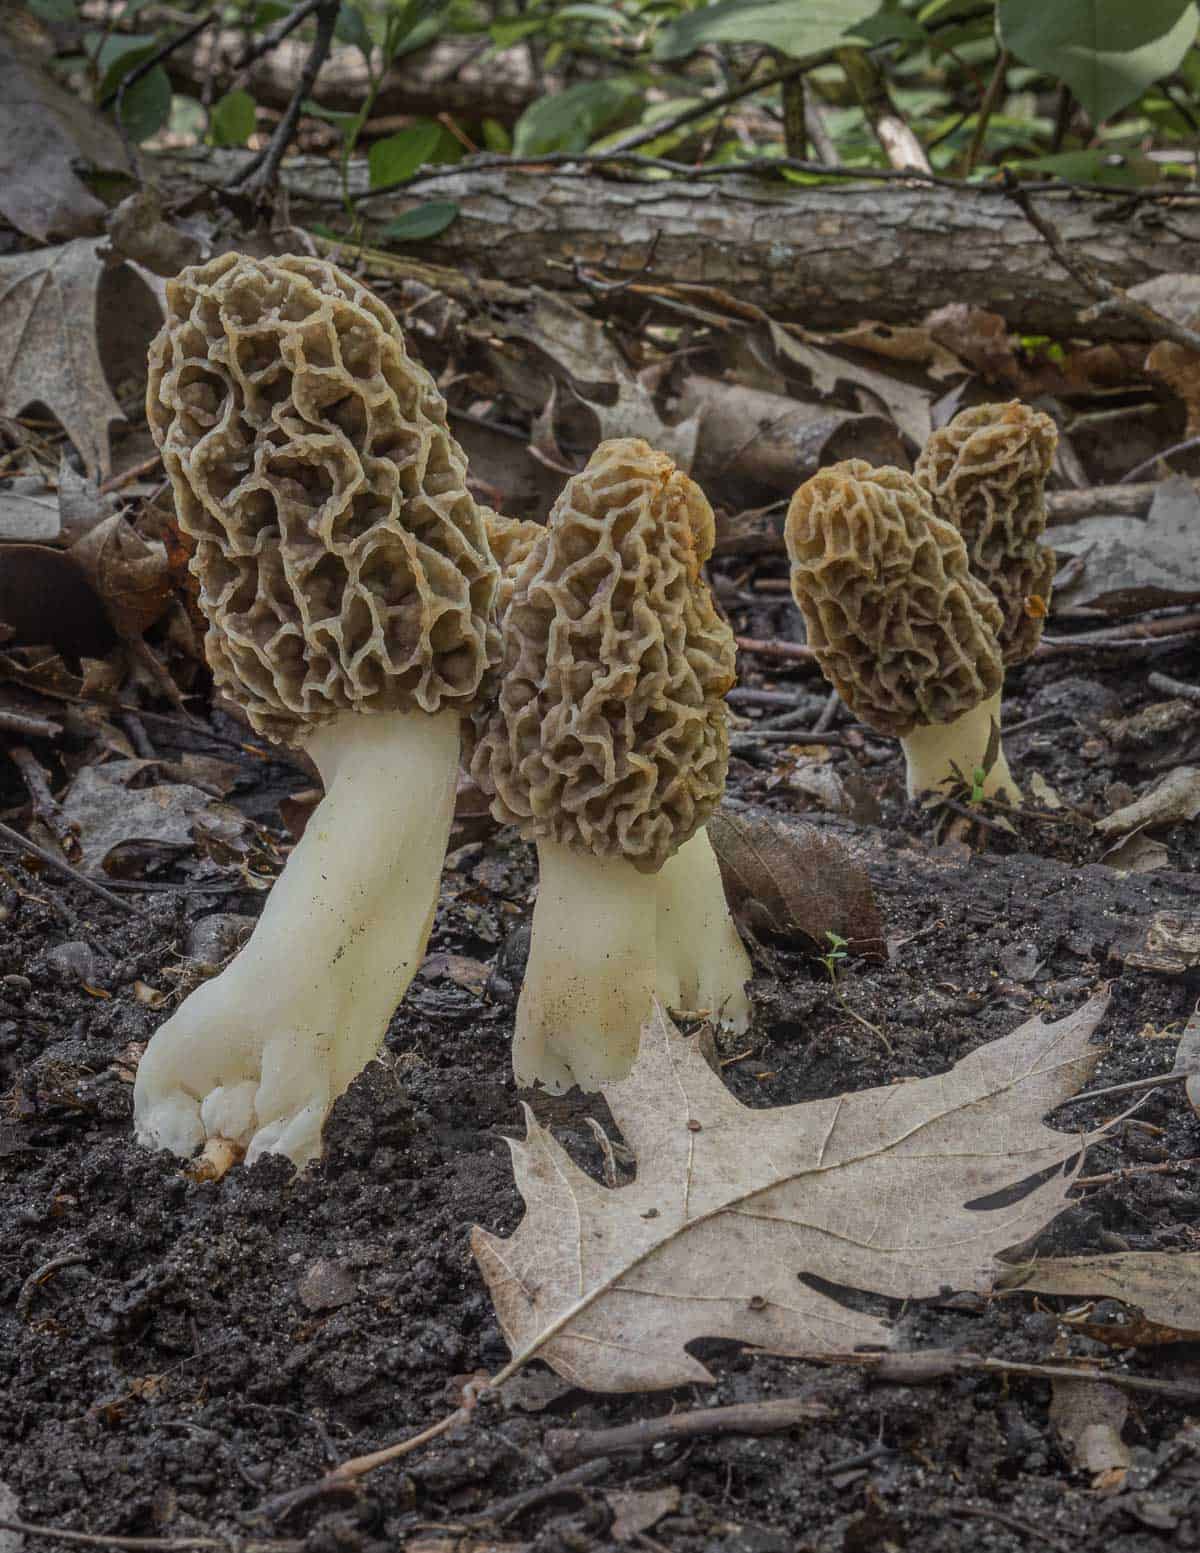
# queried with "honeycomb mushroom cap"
point(342, 562)
point(986, 472)
point(899, 625)
point(511, 540)
point(610, 734)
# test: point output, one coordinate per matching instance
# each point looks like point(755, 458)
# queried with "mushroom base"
point(591, 973)
point(258, 1054)
point(933, 751)
point(702, 964)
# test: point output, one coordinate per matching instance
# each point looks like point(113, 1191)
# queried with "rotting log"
point(824, 255)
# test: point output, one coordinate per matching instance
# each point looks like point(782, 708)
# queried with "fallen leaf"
point(1043, 792)
point(49, 351)
point(908, 406)
point(48, 602)
point(10, 1510)
point(1163, 1285)
point(636, 1510)
point(1133, 564)
point(44, 131)
point(1137, 854)
point(1089, 1416)
point(896, 342)
point(131, 577)
point(595, 372)
point(464, 972)
point(29, 516)
point(1175, 798)
point(109, 815)
point(977, 337)
point(735, 1213)
point(794, 883)
point(1187, 1059)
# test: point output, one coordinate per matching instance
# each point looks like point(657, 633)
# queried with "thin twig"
point(1110, 1177)
point(565, 1483)
point(1173, 687)
point(790, 736)
point(1149, 464)
point(147, 1544)
point(1013, 1522)
point(1131, 1088)
point(274, 36)
point(1157, 325)
point(569, 1445)
point(148, 64)
point(986, 108)
point(128, 476)
point(39, 1275)
point(788, 652)
point(260, 172)
point(29, 726)
point(63, 867)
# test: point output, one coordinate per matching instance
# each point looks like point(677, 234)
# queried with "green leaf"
point(506, 33)
point(233, 119)
point(1095, 165)
point(796, 27)
point(348, 123)
point(119, 55)
point(352, 29)
point(570, 120)
point(401, 154)
point(590, 12)
point(422, 221)
point(1107, 51)
point(496, 136)
point(53, 10)
point(146, 105)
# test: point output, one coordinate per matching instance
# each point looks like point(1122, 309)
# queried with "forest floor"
point(174, 1356)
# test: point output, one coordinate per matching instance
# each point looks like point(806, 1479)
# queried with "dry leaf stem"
point(571, 1445)
point(63, 867)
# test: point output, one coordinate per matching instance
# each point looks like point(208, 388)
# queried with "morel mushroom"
point(900, 627)
point(346, 578)
point(986, 473)
point(608, 746)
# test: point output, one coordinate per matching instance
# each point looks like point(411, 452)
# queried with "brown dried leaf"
point(1187, 1059)
point(733, 1210)
point(49, 348)
point(44, 129)
point(1089, 1416)
point(132, 578)
point(977, 337)
point(1176, 797)
point(795, 883)
point(1163, 1285)
point(1132, 564)
point(636, 1510)
point(913, 344)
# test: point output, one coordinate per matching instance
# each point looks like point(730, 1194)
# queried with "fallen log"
point(818, 254)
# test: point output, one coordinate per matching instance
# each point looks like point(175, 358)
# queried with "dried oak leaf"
point(733, 1210)
point(793, 882)
point(1163, 1285)
point(49, 351)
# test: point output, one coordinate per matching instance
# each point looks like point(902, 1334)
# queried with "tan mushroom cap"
point(986, 472)
point(342, 561)
point(899, 626)
point(610, 734)
point(511, 540)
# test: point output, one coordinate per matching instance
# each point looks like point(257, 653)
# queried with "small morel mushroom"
point(608, 745)
point(986, 473)
point(346, 578)
point(900, 627)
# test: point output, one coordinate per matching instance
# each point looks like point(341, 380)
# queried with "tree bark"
point(824, 255)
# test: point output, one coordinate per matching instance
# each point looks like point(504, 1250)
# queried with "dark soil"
point(173, 1355)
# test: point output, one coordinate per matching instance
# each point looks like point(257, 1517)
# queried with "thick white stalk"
point(259, 1053)
point(589, 983)
point(702, 964)
point(932, 752)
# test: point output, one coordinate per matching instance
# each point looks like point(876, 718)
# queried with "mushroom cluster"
point(607, 744)
point(919, 589)
point(346, 576)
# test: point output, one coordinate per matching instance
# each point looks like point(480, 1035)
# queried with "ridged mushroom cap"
point(986, 472)
point(342, 561)
point(899, 626)
point(609, 733)
point(511, 540)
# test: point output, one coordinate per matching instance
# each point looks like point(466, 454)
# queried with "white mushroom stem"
point(933, 751)
point(258, 1054)
point(702, 964)
point(590, 978)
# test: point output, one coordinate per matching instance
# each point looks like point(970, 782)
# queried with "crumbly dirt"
point(175, 1355)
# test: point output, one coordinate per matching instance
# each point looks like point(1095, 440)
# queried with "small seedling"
point(832, 961)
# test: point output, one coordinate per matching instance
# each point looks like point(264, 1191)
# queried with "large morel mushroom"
point(345, 574)
point(608, 746)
